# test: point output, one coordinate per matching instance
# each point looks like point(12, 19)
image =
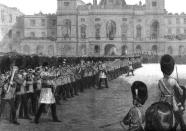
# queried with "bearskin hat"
point(139, 92)
point(167, 64)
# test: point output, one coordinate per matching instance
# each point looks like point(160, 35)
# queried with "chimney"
point(94, 2)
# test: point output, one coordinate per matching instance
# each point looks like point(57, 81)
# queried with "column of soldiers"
point(28, 91)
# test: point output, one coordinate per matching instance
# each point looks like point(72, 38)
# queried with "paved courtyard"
point(95, 108)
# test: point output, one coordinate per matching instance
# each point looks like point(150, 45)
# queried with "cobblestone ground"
point(95, 108)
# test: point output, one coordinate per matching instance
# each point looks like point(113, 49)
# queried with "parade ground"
point(95, 108)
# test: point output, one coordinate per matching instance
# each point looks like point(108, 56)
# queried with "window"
point(154, 4)
point(124, 19)
point(43, 34)
point(54, 22)
point(184, 20)
point(53, 33)
point(178, 31)
point(83, 31)
point(138, 32)
point(2, 15)
point(96, 49)
point(169, 31)
point(139, 20)
point(97, 19)
point(18, 34)
point(66, 3)
point(177, 21)
point(185, 31)
point(97, 31)
point(111, 1)
point(32, 22)
point(169, 21)
point(82, 19)
point(67, 29)
point(32, 34)
point(10, 34)
point(42, 22)
point(10, 18)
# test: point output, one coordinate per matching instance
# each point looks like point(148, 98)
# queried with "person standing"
point(168, 87)
point(8, 94)
point(46, 97)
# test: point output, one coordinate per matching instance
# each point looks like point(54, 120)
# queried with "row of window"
point(178, 21)
point(42, 22)
point(99, 19)
point(43, 34)
point(178, 31)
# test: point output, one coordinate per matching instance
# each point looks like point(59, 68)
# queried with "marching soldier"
point(47, 97)
point(103, 76)
point(8, 94)
point(30, 91)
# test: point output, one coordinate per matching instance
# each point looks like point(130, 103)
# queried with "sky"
point(29, 7)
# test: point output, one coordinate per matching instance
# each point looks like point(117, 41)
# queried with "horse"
point(160, 116)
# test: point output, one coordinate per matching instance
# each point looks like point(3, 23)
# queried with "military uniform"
point(9, 97)
point(46, 97)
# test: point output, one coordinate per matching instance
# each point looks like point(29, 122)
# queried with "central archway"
point(110, 50)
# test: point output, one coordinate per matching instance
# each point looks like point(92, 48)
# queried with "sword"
point(177, 75)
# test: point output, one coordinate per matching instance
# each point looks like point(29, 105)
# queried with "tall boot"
point(54, 115)
point(38, 115)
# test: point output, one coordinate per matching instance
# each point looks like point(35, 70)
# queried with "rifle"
point(178, 96)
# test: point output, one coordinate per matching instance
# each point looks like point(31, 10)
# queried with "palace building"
point(110, 27)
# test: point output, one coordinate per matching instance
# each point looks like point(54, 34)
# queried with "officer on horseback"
point(168, 87)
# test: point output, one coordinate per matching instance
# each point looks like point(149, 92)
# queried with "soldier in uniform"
point(47, 97)
point(103, 76)
point(30, 91)
point(8, 94)
point(23, 111)
point(167, 88)
point(130, 67)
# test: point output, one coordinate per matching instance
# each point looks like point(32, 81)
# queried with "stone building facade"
point(11, 30)
point(111, 27)
point(39, 34)
point(114, 28)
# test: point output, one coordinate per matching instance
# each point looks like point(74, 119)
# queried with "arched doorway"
point(51, 50)
point(170, 50)
point(110, 50)
point(26, 49)
point(138, 49)
point(83, 50)
point(96, 49)
point(39, 50)
point(181, 50)
point(154, 30)
point(155, 49)
point(124, 50)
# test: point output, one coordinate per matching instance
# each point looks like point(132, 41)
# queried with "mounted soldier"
point(170, 106)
